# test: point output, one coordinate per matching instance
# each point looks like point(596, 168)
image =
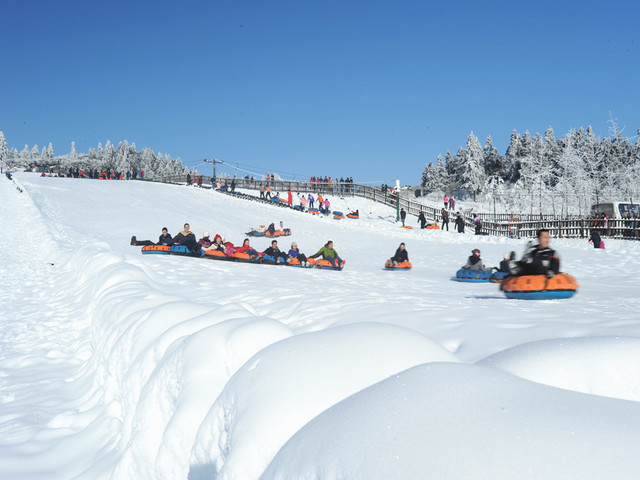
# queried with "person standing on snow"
point(445, 219)
point(459, 223)
point(403, 216)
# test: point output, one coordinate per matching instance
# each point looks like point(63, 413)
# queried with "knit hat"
point(476, 252)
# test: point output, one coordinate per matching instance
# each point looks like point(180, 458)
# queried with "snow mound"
point(287, 384)
point(607, 366)
point(459, 421)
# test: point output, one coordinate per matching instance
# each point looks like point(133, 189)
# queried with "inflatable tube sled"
point(433, 227)
point(327, 265)
point(294, 262)
point(498, 277)
point(217, 255)
point(400, 266)
point(156, 249)
point(408, 227)
point(278, 233)
point(338, 215)
point(314, 211)
point(353, 215)
point(468, 275)
point(183, 250)
point(539, 287)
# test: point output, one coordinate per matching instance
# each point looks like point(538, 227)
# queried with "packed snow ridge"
point(119, 365)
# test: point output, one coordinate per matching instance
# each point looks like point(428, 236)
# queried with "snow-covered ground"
point(115, 364)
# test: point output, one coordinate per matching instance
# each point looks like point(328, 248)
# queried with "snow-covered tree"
point(493, 161)
point(511, 171)
point(472, 176)
point(73, 154)
point(4, 152)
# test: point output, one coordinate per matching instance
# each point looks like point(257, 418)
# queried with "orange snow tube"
point(155, 249)
point(433, 227)
point(539, 287)
point(399, 266)
point(408, 227)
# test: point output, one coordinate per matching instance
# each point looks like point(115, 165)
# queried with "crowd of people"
point(271, 254)
point(96, 174)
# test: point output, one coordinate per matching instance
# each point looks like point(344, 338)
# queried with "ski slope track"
point(118, 365)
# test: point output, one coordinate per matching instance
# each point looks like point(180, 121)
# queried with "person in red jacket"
point(246, 248)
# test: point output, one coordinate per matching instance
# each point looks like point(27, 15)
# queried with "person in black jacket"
point(403, 216)
point(164, 239)
point(539, 259)
point(422, 220)
point(459, 223)
point(504, 264)
point(401, 256)
point(595, 239)
point(273, 251)
point(186, 237)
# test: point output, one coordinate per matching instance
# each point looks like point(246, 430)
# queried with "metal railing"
point(511, 225)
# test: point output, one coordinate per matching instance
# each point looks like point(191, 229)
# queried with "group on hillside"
point(272, 253)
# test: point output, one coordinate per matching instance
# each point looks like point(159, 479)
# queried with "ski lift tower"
point(213, 161)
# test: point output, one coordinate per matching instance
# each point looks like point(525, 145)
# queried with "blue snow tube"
point(498, 276)
point(468, 275)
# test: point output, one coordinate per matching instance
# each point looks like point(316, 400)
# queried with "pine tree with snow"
point(472, 176)
point(73, 154)
point(4, 152)
point(25, 155)
point(511, 171)
point(493, 161)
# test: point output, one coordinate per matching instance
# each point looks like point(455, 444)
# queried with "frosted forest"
point(540, 174)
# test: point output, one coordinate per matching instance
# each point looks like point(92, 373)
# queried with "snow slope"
point(115, 364)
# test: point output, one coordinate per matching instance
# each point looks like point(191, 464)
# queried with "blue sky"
point(373, 90)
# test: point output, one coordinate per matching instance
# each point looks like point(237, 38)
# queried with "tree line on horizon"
point(541, 174)
point(122, 158)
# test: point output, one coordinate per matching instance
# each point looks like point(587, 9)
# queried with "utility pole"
point(213, 161)
point(397, 200)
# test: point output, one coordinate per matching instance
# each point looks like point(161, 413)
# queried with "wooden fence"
point(511, 225)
